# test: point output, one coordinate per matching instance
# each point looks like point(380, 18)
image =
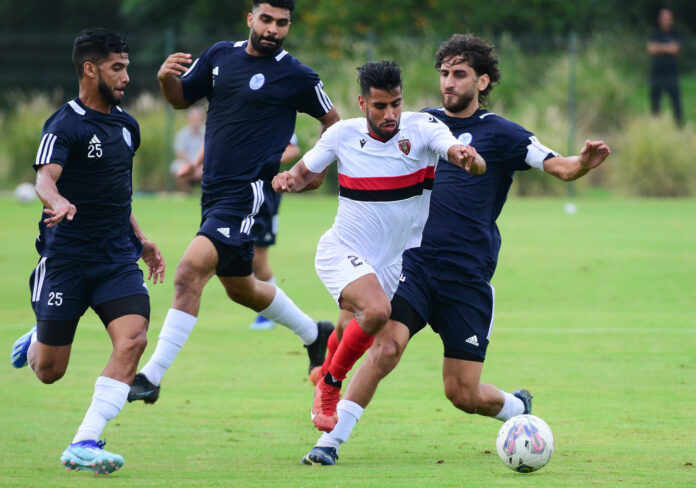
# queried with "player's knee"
point(384, 356)
point(131, 347)
point(187, 280)
point(49, 373)
point(462, 398)
point(375, 316)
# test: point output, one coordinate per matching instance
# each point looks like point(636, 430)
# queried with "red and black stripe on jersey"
point(386, 188)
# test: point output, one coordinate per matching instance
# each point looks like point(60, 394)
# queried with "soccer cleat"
point(323, 456)
point(526, 398)
point(262, 323)
point(317, 350)
point(324, 413)
point(89, 455)
point(316, 375)
point(18, 355)
point(142, 389)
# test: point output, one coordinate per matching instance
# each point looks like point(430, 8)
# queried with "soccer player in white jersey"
point(386, 163)
point(445, 281)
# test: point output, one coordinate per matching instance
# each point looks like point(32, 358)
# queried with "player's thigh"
point(462, 313)
point(198, 262)
point(461, 376)
point(365, 295)
point(338, 267)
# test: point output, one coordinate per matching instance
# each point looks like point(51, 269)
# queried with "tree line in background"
point(317, 20)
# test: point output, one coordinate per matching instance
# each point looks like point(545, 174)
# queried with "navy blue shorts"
point(460, 310)
point(63, 289)
point(231, 237)
point(265, 225)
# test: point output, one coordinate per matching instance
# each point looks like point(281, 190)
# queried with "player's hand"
point(467, 158)
point(593, 154)
point(63, 210)
point(283, 182)
point(152, 257)
point(175, 65)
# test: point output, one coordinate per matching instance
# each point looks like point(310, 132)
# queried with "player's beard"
point(107, 93)
point(377, 131)
point(264, 49)
point(458, 103)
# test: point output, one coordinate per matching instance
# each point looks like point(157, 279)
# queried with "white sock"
point(175, 331)
point(348, 415)
point(283, 311)
point(512, 406)
point(108, 399)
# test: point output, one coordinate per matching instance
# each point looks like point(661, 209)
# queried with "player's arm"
point(169, 79)
point(151, 256)
point(328, 119)
point(661, 48)
point(467, 158)
point(569, 168)
point(297, 179)
point(56, 205)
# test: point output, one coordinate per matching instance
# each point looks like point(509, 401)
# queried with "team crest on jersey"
point(257, 81)
point(127, 137)
point(465, 138)
point(405, 146)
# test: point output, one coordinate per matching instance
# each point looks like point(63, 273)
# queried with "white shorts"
point(338, 266)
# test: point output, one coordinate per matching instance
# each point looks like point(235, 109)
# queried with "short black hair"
point(95, 45)
point(384, 75)
point(288, 4)
point(476, 51)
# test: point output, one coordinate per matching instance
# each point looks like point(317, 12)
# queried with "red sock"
point(353, 345)
point(330, 351)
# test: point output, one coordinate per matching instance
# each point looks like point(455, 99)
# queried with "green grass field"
point(595, 314)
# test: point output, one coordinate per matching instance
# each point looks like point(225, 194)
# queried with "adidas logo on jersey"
point(225, 231)
point(473, 341)
point(94, 140)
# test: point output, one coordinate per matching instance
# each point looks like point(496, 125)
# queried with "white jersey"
point(384, 186)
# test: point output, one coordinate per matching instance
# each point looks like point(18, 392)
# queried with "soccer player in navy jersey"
point(90, 242)
point(254, 89)
point(445, 281)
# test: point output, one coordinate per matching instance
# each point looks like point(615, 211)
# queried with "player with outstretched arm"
point(446, 280)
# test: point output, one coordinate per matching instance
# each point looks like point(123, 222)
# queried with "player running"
point(254, 89)
point(90, 242)
point(446, 281)
point(386, 163)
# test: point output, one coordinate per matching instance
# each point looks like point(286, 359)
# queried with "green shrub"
point(655, 158)
point(22, 135)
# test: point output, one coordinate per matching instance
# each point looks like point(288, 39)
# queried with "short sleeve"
point(311, 98)
point(520, 149)
point(53, 148)
point(440, 138)
point(197, 81)
point(324, 152)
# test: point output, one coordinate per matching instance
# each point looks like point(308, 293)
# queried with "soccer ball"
point(525, 443)
point(24, 193)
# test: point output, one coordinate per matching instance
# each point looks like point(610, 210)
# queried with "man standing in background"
point(664, 48)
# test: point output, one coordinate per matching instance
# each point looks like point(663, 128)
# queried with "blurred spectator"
point(664, 47)
point(187, 143)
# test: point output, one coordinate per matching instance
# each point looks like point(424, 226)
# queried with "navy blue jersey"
point(253, 104)
point(461, 233)
point(96, 152)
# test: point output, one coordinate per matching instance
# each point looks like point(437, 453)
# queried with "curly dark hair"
point(477, 52)
point(288, 4)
